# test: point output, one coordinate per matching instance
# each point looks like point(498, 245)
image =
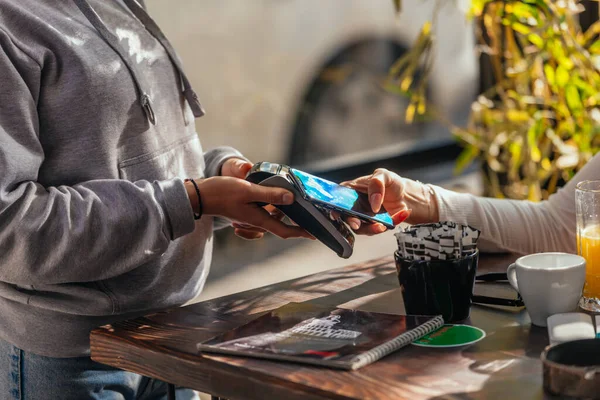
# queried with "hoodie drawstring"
point(153, 29)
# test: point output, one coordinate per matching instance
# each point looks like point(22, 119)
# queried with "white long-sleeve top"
point(518, 225)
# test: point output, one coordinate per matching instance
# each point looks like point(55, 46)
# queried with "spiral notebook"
point(325, 336)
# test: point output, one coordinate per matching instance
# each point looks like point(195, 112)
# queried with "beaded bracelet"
point(199, 215)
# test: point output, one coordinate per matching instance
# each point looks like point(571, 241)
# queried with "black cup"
point(438, 286)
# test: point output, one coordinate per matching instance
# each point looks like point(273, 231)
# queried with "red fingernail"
point(401, 216)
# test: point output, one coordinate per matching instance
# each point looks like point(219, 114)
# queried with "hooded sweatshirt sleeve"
point(215, 158)
point(85, 232)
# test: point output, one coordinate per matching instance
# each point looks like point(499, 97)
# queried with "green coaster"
point(451, 336)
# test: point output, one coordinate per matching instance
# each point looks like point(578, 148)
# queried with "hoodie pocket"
point(162, 280)
point(181, 159)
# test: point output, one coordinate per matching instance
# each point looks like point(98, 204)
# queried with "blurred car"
point(298, 81)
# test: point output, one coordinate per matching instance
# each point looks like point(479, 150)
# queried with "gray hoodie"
point(96, 134)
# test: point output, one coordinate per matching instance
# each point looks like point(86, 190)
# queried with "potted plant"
point(539, 122)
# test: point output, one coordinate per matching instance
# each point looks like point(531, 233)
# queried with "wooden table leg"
point(171, 392)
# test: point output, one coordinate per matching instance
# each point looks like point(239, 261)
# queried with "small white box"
point(571, 326)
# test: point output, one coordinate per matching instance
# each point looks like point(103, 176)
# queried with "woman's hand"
point(237, 200)
point(403, 199)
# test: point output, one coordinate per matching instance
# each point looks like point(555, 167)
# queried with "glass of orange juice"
point(587, 201)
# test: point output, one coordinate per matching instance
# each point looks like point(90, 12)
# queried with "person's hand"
point(236, 199)
point(403, 199)
point(236, 168)
point(249, 232)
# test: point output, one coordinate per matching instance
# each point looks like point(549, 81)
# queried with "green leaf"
point(546, 164)
point(573, 99)
point(583, 140)
point(558, 52)
point(519, 27)
point(422, 105)
point(534, 192)
point(405, 83)
point(535, 131)
point(536, 40)
point(515, 149)
point(477, 7)
point(562, 111)
point(562, 76)
point(517, 116)
point(465, 158)
point(593, 100)
point(595, 47)
point(591, 32)
point(523, 10)
point(410, 113)
point(585, 87)
point(550, 75)
point(398, 5)
point(566, 62)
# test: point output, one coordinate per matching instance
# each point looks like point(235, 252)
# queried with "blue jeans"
point(27, 376)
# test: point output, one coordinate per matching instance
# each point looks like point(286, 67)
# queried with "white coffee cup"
point(549, 283)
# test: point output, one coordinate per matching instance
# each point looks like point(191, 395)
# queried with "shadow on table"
point(330, 287)
point(509, 355)
point(380, 285)
point(521, 341)
point(371, 286)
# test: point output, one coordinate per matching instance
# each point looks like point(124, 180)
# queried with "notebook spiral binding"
point(403, 340)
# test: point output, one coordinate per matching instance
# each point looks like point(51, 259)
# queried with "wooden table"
point(504, 365)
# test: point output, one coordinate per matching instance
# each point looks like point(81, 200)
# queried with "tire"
point(345, 111)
